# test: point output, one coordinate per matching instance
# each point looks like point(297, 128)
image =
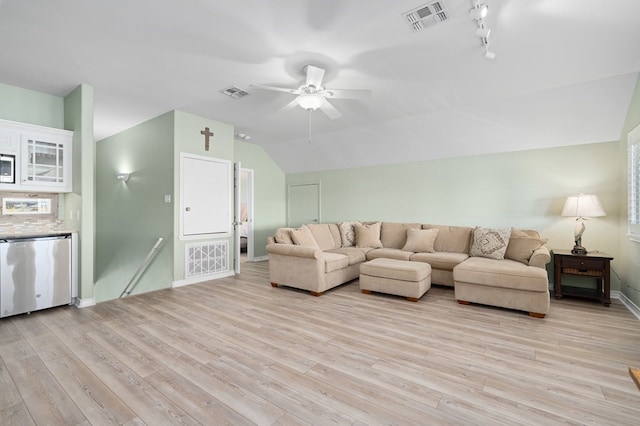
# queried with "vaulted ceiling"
point(564, 71)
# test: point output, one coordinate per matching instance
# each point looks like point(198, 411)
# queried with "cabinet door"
point(45, 161)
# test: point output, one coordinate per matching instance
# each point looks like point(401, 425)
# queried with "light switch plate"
point(167, 198)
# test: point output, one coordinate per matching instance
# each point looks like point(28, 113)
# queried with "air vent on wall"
point(234, 92)
point(426, 15)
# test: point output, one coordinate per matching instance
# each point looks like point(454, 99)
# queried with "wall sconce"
point(123, 176)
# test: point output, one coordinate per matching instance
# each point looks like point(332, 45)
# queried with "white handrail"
point(147, 261)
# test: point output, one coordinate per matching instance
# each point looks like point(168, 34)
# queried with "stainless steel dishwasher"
point(35, 273)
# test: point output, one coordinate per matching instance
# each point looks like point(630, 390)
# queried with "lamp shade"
point(583, 205)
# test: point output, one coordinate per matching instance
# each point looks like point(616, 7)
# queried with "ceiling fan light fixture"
point(310, 101)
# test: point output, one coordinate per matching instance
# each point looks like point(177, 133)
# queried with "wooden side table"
point(596, 265)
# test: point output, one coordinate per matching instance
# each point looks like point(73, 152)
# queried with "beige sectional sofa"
point(318, 257)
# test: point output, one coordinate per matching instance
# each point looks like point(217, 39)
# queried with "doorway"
point(246, 215)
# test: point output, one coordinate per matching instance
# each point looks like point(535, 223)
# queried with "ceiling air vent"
point(234, 92)
point(427, 15)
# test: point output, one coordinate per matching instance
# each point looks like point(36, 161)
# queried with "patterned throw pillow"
point(491, 243)
point(348, 233)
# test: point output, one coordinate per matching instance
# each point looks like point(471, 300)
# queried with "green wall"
point(187, 139)
point(28, 106)
point(520, 189)
point(269, 196)
point(131, 216)
point(629, 253)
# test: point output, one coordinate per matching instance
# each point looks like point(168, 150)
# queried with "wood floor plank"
point(238, 351)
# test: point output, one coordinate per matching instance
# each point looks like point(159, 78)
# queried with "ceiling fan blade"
point(348, 94)
point(314, 76)
point(276, 88)
point(290, 105)
point(330, 110)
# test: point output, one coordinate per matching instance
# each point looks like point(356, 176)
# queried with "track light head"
point(479, 11)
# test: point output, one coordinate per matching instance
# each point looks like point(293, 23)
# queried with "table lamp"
point(581, 206)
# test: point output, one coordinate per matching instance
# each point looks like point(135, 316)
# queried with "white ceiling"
point(564, 73)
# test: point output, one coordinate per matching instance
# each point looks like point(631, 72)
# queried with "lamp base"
point(578, 250)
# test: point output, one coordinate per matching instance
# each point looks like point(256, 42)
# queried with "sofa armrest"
point(295, 250)
point(540, 257)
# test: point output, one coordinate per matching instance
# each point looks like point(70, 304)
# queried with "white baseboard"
point(633, 308)
point(259, 259)
point(200, 279)
point(84, 303)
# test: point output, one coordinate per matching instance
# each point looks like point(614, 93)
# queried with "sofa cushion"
point(334, 261)
point(303, 237)
point(368, 235)
point(347, 233)
point(323, 236)
point(501, 273)
point(451, 239)
point(522, 244)
point(440, 260)
point(283, 236)
point(356, 255)
point(394, 235)
point(395, 269)
point(490, 242)
point(421, 240)
point(389, 253)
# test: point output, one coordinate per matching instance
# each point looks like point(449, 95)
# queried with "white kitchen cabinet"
point(43, 161)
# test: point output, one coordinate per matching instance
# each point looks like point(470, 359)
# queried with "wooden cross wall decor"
point(206, 134)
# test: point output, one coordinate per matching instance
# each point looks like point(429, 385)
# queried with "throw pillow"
point(303, 237)
point(491, 243)
point(368, 235)
point(283, 236)
point(420, 240)
point(521, 246)
point(348, 233)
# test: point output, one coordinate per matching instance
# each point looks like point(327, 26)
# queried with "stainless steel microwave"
point(7, 168)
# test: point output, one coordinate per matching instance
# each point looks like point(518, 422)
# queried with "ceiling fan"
point(313, 95)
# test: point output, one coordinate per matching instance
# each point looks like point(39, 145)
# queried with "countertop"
point(34, 234)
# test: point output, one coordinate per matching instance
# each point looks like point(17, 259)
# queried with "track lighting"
point(478, 11)
point(483, 32)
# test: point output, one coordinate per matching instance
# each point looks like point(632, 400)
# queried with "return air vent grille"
point(207, 258)
point(427, 15)
point(234, 92)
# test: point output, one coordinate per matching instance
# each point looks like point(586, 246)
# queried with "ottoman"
point(397, 277)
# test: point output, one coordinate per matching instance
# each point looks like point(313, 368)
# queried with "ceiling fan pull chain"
point(310, 110)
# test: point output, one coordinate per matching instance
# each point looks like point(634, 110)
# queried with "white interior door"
point(237, 222)
point(205, 188)
point(303, 204)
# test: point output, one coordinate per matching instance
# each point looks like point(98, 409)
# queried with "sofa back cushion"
point(451, 239)
point(394, 235)
point(283, 236)
point(368, 235)
point(325, 235)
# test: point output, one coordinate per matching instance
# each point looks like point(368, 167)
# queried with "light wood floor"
point(237, 351)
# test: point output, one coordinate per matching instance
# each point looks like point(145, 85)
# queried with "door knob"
point(188, 209)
